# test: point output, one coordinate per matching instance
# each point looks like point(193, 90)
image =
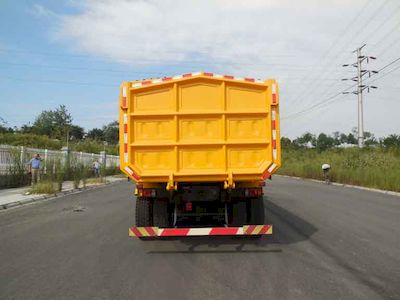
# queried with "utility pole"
point(360, 88)
point(360, 100)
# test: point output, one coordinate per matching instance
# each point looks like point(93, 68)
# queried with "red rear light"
point(188, 206)
point(253, 192)
point(148, 193)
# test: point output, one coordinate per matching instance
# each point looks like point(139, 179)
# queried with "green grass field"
point(369, 167)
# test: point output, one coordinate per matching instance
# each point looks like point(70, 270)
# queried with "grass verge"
point(97, 180)
point(43, 187)
point(369, 167)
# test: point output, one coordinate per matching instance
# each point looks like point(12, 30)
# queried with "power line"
point(77, 68)
point(389, 64)
point(327, 70)
point(391, 71)
point(158, 61)
point(331, 46)
point(394, 12)
point(331, 99)
point(23, 80)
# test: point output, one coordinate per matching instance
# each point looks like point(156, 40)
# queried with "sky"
point(78, 52)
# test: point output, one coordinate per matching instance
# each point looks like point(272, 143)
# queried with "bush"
point(29, 140)
point(92, 146)
point(43, 187)
point(114, 170)
point(16, 175)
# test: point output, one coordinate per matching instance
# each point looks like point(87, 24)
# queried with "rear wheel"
point(160, 213)
point(143, 213)
point(238, 213)
point(256, 214)
point(256, 211)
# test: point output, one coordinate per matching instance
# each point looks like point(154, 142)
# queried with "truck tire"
point(256, 211)
point(238, 213)
point(160, 213)
point(143, 213)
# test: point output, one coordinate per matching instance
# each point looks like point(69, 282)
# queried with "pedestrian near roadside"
point(325, 169)
point(34, 165)
point(96, 168)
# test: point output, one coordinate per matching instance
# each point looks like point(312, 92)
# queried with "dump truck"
point(199, 147)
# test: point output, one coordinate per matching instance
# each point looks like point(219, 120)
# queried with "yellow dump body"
point(199, 127)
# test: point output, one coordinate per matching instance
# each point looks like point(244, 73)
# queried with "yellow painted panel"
point(200, 96)
point(154, 100)
point(250, 158)
point(247, 127)
point(200, 129)
point(154, 130)
point(151, 159)
point(240, 98)
point(201, 159)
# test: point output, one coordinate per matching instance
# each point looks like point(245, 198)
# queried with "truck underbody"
point(199, 209)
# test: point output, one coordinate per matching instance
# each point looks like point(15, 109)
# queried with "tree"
point(111, 132)
point(336, 136)
point(76, 132)
point(306, 139)
point(44, 124)
point(4, 128)
point(392, 140)
point(26, 128)
point(63, 121)
point(55, 124)
point(324, 142)
point(351, 139)
point(369, 139)
point(286, 143)
point(343, 138)
point(96, 134)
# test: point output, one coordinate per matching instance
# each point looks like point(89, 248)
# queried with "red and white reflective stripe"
point(132, 173)
point(125, 124)
point(209, 231)
point(188, 75)
point(273, 90)
point(269, 171)
point(273, 126)
point(124, 101)
point(200, 231)
point(143, 231)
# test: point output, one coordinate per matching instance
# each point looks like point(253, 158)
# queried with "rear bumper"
point(207, 231)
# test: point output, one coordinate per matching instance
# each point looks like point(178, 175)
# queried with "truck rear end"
point(199, 147)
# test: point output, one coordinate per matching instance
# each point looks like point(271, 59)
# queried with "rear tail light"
point(253, 192)
point(148, 193)
point(188, 206)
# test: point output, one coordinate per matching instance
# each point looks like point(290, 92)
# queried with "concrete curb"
point(54, 196)
point(345, 185)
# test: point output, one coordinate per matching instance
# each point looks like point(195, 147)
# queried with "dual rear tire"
point(151, 212)
point(249, 211)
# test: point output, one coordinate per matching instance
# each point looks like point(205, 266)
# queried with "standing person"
point(96, 168)
point(34, 164)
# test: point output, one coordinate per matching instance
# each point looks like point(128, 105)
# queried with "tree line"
point(337, 139)
point(58, 124)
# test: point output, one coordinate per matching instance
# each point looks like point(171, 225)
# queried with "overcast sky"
point(78, 52)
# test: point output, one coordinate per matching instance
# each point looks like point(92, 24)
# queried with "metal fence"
point(10, 155)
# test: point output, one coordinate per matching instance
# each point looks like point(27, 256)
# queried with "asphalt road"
point(329, 243)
